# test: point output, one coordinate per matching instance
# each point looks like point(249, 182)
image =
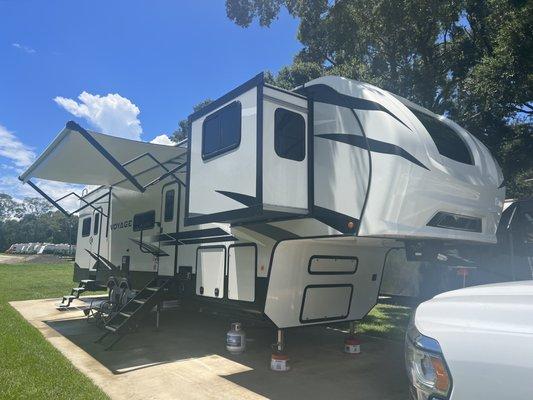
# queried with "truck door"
point(169, 217)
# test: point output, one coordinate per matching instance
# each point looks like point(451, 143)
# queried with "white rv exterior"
point(288, 203)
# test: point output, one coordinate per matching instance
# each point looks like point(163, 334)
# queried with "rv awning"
point(84, 157)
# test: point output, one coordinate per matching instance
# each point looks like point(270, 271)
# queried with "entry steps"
point(85, 285)
point(129, 316)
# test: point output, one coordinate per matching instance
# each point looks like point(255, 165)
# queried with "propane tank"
point(236, 339)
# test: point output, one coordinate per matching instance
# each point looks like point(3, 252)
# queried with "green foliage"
point(10, 208)
point(31, 367)
point(295, 75)
point(469, 59)
point(181, 133)
point(32, 221)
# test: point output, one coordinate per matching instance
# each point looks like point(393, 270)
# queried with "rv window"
point(169, 205)
point(144, 221)
point(448, 142)
point(96, 223)
point(86, 227)
point(221, 131)
point(289, 134)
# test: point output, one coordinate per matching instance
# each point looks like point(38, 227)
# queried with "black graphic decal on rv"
point(325, 94)
point(376, 146)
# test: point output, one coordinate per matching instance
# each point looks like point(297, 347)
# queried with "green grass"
point(30, 367)
point(386, 321)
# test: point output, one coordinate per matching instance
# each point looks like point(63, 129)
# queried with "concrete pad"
point(186, 359)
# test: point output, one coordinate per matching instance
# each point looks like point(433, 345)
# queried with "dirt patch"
point(31, 259)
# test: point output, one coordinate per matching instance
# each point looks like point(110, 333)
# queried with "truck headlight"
point(426, 368)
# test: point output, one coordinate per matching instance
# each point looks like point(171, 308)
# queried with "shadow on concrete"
point(319, 367)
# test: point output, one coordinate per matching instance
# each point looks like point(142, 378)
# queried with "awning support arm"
point(65, 212)
point(88, 204)
point(52, 201)
point(168, 172)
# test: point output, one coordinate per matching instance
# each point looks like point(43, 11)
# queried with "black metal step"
point(69, 297)
point(129, 315)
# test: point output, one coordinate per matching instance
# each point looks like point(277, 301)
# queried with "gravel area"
point(31, 259)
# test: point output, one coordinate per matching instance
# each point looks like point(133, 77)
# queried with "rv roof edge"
point(255, 81)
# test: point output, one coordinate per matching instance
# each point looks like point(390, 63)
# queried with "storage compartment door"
point(326, 302)
point(210, 268)
point(285, 152)
point(241, 272)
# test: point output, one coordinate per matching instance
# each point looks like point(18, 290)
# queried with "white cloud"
point(13, 149)
point(25, 49)
point(111, 114)
point(163, 139)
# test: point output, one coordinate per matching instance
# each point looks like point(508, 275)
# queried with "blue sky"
point(155, 59)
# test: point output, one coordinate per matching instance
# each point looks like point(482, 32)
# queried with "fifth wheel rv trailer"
point(283, 203)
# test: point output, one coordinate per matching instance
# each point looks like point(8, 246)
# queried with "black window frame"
point(277, 136)
point(147, 221)
point(447, 146)
point(224, 112)
point(96, 224)
point(86, 228)
point(168, 209)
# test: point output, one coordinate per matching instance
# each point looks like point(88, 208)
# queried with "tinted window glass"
point(169, 205)
point(144, 221)
point(86, 227)
point(221, 131)
point(448, 142)
point(289, 134)
point(96, 223)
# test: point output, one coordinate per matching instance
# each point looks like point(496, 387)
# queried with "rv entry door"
point(169, 217)
point(95, 235)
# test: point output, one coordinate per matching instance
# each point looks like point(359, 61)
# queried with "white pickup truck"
point(473, 343)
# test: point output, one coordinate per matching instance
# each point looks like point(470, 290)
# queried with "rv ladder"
point(129, 316)
point(84, 286)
